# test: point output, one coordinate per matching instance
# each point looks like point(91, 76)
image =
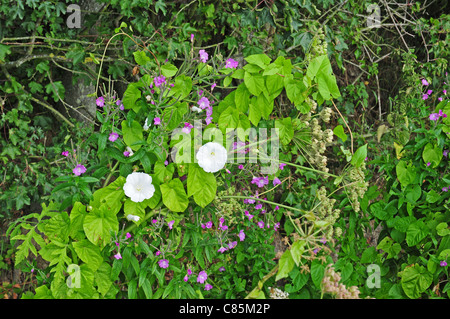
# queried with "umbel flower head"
point(138, 186)
point(212, 157)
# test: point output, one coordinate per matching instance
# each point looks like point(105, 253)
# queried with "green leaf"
point(174, 195)
point(286, 131)
point(297, 250)
point(317, 273)
point(242, 98)
point(133, 208)
point(110, 196)
point(89, 253)
point(406, 173)
point(359, 156)
point(295, 91)
point(415, 280)
point(141, 58)
point(339, 132)
point(442, 229)
point(102, 278)
point(432, 154)
point(100, 225)
point(130, 96)
point(132, 134)
point(173, 115)
point(388, 246)
point(260, 60)
point(169, 70)
point(433, 196)
point(416, 232)
point(201, 185)
point(255, 83)
point(76, 221)
point(182, 87)
point(285, 265)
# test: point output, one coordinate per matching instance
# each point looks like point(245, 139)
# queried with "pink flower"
point(118, 256)
point(163, 263)
point(241, 235)
point(187, 128)
point(276, 181)
point(261, 224)
point(157, 120)
point(424, 82)
point(202, 276)
point(189, 272)
point(186, 278)
point(208, 287)
point(128, 235)
point(203, 56)
point(79, 169)
point(429, 92)
point(213, 86)
point(282, 165)
point(65, 153)
point(192, 37)
point(100, 101)
point(113, 136)
point(126, 154)
point(222, 250)
point(424, 97)
point(222, 269)
point(231, 64)
point(443, 263)
point(160, 80)
point(241, 166)
point(203, 103)
point(171, 224)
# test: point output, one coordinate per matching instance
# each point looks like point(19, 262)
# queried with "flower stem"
point(264, 201)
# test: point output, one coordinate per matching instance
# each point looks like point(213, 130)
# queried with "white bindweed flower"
point(196, 109)
point(212, 157)
point(133, 218)
point(138, 187)
point(146, 125)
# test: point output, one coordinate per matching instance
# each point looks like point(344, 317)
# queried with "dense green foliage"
point(359, 195)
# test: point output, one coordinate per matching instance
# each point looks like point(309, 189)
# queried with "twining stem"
point(264, 201)
point(297, 166)
point(110, 174)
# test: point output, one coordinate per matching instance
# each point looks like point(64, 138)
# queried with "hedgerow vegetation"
point(224, 149)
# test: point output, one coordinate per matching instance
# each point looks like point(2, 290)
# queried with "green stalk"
point(265, 201)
